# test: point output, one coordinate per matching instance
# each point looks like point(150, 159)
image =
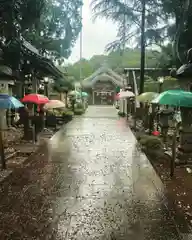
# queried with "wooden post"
point(93, 96)
point(128, 104)
point(134, 114)
point(173, 148)
point(2, 153)
point(34, 83)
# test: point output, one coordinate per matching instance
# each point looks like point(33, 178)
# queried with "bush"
point(79, 105)
point(150, 142)
point(151, 145)
point(169, 83)
point(68, 113)
point(79, 111)
point(121, 114)
point(57, 113)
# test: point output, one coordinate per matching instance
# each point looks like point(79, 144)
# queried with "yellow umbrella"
point(53, 104)
point(147, 97)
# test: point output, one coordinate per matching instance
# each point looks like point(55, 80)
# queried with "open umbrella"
point(74, 93)
point(53, 104)
point(84, 94)
point(147, 97)
point(174, 98)
point(7, 102)
point(35, 98)
point(126, 94)
point(117, 97)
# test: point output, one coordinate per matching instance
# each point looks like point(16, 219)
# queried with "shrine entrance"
point(103, 93)
point(103, 98)
point(102, 85)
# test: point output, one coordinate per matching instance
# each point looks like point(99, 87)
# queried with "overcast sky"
point(96, 35)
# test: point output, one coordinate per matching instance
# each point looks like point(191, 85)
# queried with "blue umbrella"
point(7, 102)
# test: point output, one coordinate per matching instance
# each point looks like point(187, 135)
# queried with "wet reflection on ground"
point(91, 183)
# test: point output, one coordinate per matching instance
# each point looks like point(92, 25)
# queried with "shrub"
point(79, 105)
point(150, 142)
point(151, 145)
point(121, 114)
point(68, 113)
point(79, 111)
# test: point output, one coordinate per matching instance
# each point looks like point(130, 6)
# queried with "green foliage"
point(79, 111)
point(121, 114)
point(166, 58)
point(58, 29)
point(68, 112)
point(127, 15)
point(114, 60)
point(87, 68)
point(17, 16)
point(52, 26)
point(166, 21)
point(150, 142)
point(63, 86)
point(168, 84)
point(79, 106)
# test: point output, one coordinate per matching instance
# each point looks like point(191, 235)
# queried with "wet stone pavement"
point(90, 182)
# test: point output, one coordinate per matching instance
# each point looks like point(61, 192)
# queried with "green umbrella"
point(174, 98)
point(84, 94)
point(147, 97)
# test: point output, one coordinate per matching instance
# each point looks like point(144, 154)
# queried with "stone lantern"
point(165, 116)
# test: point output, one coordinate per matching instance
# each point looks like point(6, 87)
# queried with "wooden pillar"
point(34, 82)
point(93, 97)
point(34, 85)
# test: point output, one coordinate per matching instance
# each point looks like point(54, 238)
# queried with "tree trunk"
point(66, 103)
point(142, 73)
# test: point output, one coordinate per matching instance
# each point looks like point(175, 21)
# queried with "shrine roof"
point(32, 54)
point(103, 74)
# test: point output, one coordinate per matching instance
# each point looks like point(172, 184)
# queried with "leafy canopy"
point(50, 25)
point(114, 60)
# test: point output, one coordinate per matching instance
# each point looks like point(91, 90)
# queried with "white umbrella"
point(54, 104)
point(126, 94)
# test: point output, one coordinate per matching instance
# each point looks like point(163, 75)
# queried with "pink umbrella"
point(117, 96)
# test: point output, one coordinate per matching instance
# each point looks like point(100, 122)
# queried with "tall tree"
point(16, 15)
point(51, 25)
point(127, 15)
point(58, 28)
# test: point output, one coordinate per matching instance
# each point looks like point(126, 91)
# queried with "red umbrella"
point(35, 98)
point(156, 133)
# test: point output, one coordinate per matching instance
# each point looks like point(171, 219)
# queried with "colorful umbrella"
point(74, 93)
point(54, 104)
point(35, 98)
point(147, 97)
point(117, 97)
point(84, 94)
point(126, 94)
point(7, 102)
point(174, 98)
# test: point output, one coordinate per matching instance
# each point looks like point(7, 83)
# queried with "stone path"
point(90, 183)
